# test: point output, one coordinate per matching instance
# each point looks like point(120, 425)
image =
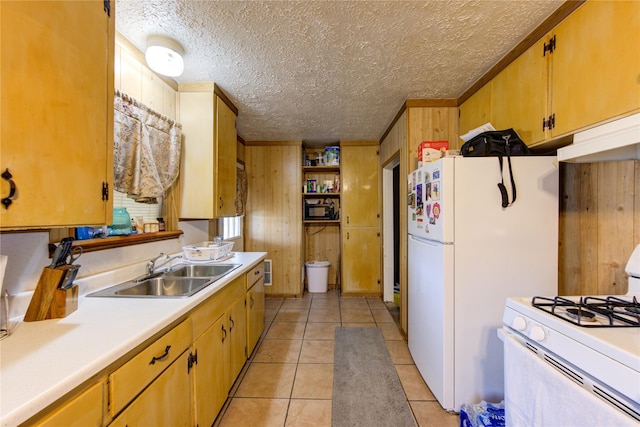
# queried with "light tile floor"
point(288, 381)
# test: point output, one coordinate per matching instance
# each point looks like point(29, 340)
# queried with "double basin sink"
point(180, 282)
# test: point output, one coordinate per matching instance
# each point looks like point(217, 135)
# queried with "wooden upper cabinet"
point(56, 85)
point(359, 185)
point(590, 76)
point(225, 170)
point(476, 111)
point(208, 170)
point(519, 96)
point(596, 65)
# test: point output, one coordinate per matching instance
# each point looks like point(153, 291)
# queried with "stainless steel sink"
point(157, 287)
point(201, 270)
point(181, 282)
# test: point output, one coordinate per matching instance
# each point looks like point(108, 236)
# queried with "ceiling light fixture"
point(164, 56)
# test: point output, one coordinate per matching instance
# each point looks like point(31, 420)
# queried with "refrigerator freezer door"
point(430, 300)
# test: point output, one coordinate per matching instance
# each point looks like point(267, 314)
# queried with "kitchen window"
point(231, 227)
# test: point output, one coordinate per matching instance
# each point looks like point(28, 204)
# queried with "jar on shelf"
point(121, 222)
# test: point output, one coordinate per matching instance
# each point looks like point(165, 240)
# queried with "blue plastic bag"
point(482, 414)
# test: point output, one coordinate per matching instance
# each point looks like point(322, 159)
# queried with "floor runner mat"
point(366, 388)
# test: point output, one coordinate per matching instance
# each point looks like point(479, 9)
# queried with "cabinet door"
point(84, 410)
point(127, 381)
point(166, 402)
point(476, 111)
point(255, 314)
point(359, 175)
point(237, 321)
point(361, 261)
point(225, 160)
point(56, 109)
point(519, 95)
point(208, 169)
point(596, 64)
point(196, 170)
point(210, 391)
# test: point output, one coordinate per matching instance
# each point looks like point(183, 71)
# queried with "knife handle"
point(55, 259)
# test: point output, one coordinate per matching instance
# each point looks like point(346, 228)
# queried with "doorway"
point(391, 229)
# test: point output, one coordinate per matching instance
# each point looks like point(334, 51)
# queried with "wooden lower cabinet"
point(167, 401)
point(182, 378)
point(220, 329)
point(361, 261)
point(85, 410)
point(237, 340)
point(255, 314)
point(210, 391)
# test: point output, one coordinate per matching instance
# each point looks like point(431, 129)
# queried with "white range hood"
point(616, 140)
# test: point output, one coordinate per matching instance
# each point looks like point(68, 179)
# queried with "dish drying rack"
point(207, 251)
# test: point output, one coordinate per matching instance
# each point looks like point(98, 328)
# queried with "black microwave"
point(318, 211)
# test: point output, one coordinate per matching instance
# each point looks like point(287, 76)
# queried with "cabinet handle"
point(347, 219)
point(232, 323)
point(6, 201)
point(221, 203)
point(224, 337)
point(251, 298)
point(347, 235)
point(162, 356)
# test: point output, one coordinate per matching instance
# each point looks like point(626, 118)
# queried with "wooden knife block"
point(50, 302)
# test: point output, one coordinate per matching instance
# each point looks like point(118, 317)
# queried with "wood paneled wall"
point(422, 120)
point(274, 211)
point(322, 243)
point(599, 226)
point(430, 124)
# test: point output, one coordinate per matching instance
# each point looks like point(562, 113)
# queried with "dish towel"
point(536, 394)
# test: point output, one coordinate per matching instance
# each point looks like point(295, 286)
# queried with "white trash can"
point(317, 275)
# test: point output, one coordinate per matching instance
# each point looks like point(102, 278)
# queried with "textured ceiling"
point(321, 71)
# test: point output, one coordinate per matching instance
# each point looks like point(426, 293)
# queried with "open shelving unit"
point(321, 201)
point(321, 209)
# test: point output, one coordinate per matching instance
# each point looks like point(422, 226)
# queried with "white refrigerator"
point(467, 254)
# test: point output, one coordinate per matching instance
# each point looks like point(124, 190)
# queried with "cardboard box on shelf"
point(429, 151)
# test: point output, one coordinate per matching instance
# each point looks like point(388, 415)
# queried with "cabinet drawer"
point(131, 378)
point(255, 274)
point(211, 310)
point(84, 410)
point(166, 402)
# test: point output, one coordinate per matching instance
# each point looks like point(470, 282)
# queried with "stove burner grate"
point(592, 312)
point(581, 314)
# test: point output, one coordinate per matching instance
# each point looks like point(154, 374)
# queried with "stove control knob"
point(537, 333)
point(519, 324)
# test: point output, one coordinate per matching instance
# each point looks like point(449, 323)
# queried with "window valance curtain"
point(241, 191)
point(147, 148)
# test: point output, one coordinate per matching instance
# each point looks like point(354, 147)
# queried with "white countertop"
point(42, 361)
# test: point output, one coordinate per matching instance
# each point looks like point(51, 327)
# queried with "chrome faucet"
point(151, 265)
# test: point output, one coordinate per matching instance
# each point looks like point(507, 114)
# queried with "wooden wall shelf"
point(91, 245)
point(321, 169)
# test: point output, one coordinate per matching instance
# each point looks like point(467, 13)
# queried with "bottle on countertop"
point(161, 225)
point(121, 222)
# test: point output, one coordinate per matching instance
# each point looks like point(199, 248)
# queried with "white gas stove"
point(594, 341)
